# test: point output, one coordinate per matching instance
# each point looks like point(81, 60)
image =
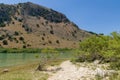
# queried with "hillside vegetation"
point(106, 49)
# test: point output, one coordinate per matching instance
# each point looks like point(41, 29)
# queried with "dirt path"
point(70, 71)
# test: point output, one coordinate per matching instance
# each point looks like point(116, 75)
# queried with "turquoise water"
point(12, 59)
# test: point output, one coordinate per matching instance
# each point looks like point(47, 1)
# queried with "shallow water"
point(12, 59)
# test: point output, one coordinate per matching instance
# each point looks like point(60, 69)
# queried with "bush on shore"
point(103, 48)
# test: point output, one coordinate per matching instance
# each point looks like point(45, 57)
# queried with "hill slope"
point(28, 25)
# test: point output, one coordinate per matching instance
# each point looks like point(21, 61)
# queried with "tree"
point(48, 54)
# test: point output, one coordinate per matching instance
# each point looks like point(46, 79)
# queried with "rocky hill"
point(28, 25)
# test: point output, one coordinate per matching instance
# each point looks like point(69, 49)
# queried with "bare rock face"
point(40, 27)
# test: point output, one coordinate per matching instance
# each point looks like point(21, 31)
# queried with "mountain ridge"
point(28, 25)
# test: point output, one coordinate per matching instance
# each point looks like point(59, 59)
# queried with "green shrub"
point(100, 47)
point(20, 19)
point(21, 38)
point(57, 41)
point(5, 42)
point(51, 32)
point(24, 46)
point(16, 33)
point(115, 65)
point(37, 25)
point(50, 42)
point(2, 25)
point(43, 38)
point(2, 37)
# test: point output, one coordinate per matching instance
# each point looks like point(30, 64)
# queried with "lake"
point(12, 59)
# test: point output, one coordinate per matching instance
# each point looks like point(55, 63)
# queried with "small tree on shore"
point(48, 54)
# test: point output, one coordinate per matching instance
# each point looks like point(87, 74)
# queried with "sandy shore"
point(69, 71)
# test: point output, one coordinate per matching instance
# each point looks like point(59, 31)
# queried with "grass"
point(23, 72)
point(24, 75)
point(111, 77)
point(115, 76)
point(22, 50)
point(29, 50)
point(27, 72)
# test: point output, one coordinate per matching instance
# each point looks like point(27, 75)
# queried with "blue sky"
point(100, 16)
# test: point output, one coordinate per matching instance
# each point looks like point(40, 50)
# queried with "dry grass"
point(23, 72)
point(62, 32)
point(24, 75)
point(115, 76)
point(26, 72)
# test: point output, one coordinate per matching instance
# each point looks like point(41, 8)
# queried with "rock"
point(74, 72)
point(54, 68)
point(40, 68)
point(96, 62)
point(5, 70)
point(112, 72)
point(100, 72)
